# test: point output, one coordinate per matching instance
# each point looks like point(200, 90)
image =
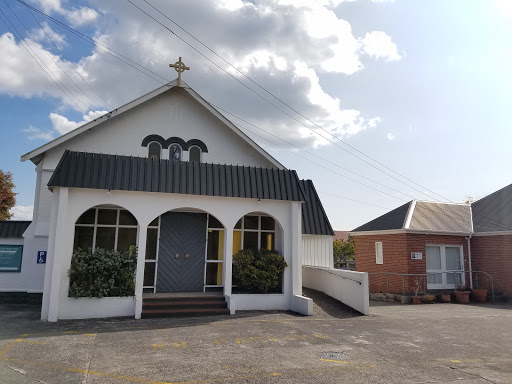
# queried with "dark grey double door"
point(181, 255)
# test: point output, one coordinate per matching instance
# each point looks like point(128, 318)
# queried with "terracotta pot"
point(416, 300)
point(446, 298)
point(462, 297)
point(480, 295)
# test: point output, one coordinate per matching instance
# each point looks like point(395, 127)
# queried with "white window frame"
point(156, 258)
point(116, 226)
point(182, 151)
point(259, 230)
point(200, 153)
point(379, 252)
point(161, 148)
point(206, 261)
point(444, 281)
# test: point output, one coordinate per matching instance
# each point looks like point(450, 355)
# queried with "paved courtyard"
point(439, 343)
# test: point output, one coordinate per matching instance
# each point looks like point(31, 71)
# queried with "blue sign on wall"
point(10, 258)
point(41, 257)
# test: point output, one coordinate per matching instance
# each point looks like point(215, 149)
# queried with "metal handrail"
point(425, 275)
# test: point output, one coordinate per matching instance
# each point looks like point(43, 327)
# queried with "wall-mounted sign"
point(41, 257)
point(10, 258)
point(416, 255)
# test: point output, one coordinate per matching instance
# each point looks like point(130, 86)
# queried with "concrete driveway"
point(439, 343)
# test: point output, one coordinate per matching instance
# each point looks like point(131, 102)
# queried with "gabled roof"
point(129, 173)
point(36, 154)
point(493, 213)
point(13, 228)
point(424, 216)
point(314, 218)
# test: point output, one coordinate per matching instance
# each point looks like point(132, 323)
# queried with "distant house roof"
point(12, 228)
point(424, 216)
point(314, 218)
point(129, 173)
point(341, 235)
point(493, 213)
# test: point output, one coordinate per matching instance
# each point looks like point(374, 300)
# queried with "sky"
point(377, 101)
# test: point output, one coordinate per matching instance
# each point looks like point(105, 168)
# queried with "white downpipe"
point(469, 261)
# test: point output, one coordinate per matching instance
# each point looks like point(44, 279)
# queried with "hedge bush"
point(102, 273)
point(258, 270)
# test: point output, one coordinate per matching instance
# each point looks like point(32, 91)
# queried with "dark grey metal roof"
point(13, 228)
point(493, 213)
point(128, 173)
point(394, 219)
point(314, 218)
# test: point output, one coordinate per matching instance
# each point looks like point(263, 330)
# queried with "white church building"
point(171, 175)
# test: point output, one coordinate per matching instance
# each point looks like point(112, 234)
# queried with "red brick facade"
point(397, 250)
point(493, 254)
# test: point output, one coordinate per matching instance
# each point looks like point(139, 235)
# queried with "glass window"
point(154, 223)
point(151, 243)
point(213, 273)
point(105, 237)
point(126, 218)
point(237, 242)
point(250, 240)
point(251, 222)
point(215, 250)
point(107, 216)
point(87, 217)
point(238, 225)
point(154, 150)
point(268, 223)
point(83, 237)
point(267, 240)
point(213, 222)
point(175, 152)
point(149, 274)
point(126, 239)
point(194, 155)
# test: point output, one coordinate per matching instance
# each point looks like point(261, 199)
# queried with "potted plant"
point(461, 294)
point(480, 295)
point(429, 299)
point(416, 287)
point(445, 298)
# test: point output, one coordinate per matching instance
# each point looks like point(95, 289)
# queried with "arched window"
point(107, 228)
point(254, 232)
point(175, 152)
point(154, 150)
point(194, 154)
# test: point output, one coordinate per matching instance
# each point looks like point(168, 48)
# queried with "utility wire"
point(284, 103)
point(48, 71)
point(70, 64)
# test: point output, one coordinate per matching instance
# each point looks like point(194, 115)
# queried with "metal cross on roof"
point(180, 67)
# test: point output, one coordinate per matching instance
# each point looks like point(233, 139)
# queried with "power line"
point(347, 198)
point(284, 103)
point(48, 72)
point(70, 64)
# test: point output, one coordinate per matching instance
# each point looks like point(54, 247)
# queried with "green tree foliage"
point(7, 195)
point(343, 250)
point(258, 270)
point(102, 273)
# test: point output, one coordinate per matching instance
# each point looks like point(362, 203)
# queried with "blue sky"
point(423, 87)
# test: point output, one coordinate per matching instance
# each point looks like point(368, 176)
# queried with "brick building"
point(444, 241)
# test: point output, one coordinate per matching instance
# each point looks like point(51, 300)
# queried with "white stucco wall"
point(69, 204)
point(351, 288)
point(317, 251)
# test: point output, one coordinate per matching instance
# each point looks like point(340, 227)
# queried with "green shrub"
point(102, 273)
point(258, 270)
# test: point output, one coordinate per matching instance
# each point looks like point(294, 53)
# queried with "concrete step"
point(188, 312)
point(183, 304)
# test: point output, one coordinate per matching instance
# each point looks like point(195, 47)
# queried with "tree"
point(343, 250)
point(7, 195)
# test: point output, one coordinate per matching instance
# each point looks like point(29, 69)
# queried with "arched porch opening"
point(184, 252)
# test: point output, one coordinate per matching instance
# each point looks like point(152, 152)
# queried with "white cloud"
point(76, 16)
point(22, 212)
point(34, 133)
point(46, 33)
point(390, 136)
point(62, 125)
point(379, 45)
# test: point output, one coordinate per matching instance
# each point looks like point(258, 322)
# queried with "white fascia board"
point(500, 233)
point(116, 112)
point(410, 212)
point(235, 129)
point(411, 231)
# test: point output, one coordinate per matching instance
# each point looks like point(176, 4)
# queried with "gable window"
point(175, 152)
point(154, 150)
point(194, 154)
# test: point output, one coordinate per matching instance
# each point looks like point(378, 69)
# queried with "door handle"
point(177, 256)
point(187, 256)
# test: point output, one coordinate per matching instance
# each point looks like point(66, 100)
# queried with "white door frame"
point(444, 280)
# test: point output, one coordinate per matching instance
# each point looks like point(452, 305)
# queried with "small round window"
point(194, 155)
point(175, 152)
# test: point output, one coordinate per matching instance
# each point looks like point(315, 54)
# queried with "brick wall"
point(493, 254)
point(397, 250)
